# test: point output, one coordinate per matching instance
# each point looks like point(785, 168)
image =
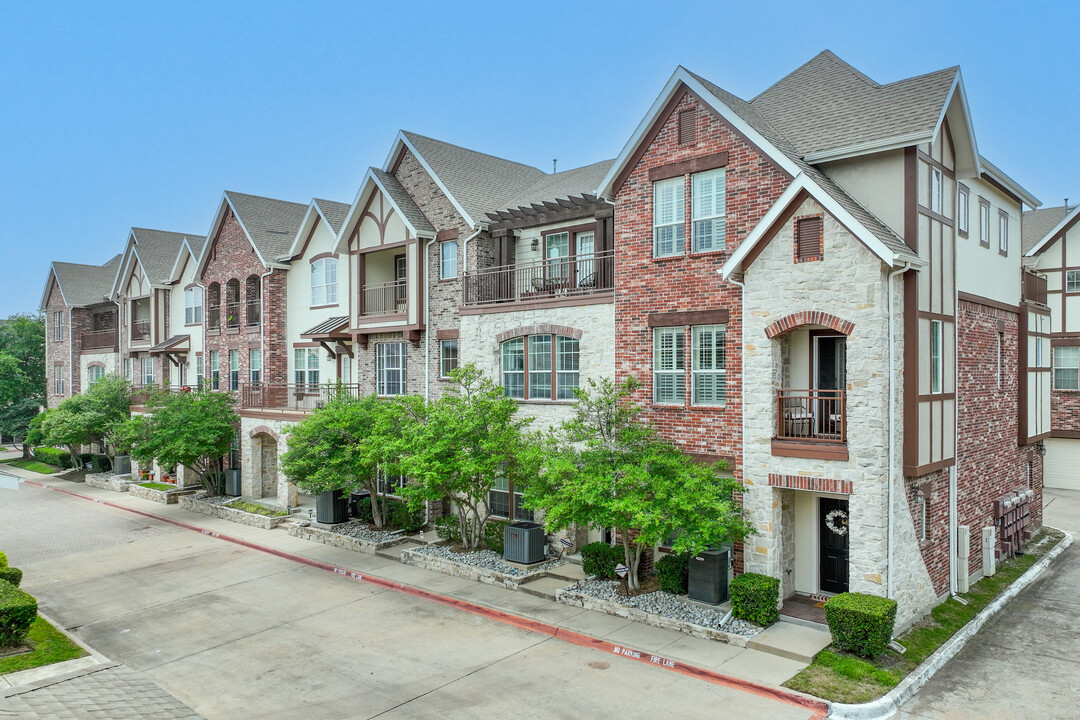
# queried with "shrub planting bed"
point(223, 507)
point(160, 492)
point(354, 535)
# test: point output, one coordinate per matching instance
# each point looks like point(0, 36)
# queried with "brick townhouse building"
point(824, 284)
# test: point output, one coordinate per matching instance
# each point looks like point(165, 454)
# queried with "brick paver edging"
point(820, 708)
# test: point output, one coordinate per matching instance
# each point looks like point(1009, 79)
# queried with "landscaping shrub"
point(673, 573)
point(17, 613)
point(860, 622)
point(53, 456)
point(3, 560)
point(396, 514)
point(12, 575)
point(754, 597)
point(101, 463)
point(493, 535)
point(600, 559)
point(448, 529)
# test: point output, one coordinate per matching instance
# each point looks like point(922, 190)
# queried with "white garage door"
point(1062, 463)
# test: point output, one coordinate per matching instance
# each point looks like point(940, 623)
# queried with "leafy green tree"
point(605, 467)
point(22, 374)
point(458, 446)
point(88, 417)
point(193, 429)
point(343, 445)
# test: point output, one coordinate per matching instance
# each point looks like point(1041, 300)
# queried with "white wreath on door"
point(832, 517)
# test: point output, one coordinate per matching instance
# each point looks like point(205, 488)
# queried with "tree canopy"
point(22, 373)
point(89, 417)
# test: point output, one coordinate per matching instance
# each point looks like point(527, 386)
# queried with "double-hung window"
point(1003, 232)
point(215, 370)
point(306, 368)
point(1072, 281)
point(541, 367)
point(448, 260)
point(94, 373)
point(58, 379)
point(1067, 367)
point(193, 305)
point(234, 369)
point(668, 230)
point(58, 326)
point(255, 365)
point(937, 363)
point(147, 371)
point(390, 368)
point(984, 223)
point(505, 501)
point(324, 282)
point(198, 371)
point(448, 357)
point(708, 205)
point(669, 365)
point(127, 370)
point(708, 373)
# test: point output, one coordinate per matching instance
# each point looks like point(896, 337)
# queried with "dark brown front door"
point(834, 544)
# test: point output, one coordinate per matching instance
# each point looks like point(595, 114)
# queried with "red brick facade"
point(690, 282)
point(1065, 413)
point(58, 352)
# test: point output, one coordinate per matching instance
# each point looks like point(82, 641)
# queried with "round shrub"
point(17, 613)
point(673, 573)
point(600, 559)
point(12, 575)
point(755, 598)
point(448, 528)
point(861, 623)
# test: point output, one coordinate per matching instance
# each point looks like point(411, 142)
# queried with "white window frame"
point(146, 373)
point(324, 277)
point(937, 191)
point(215, 370)
point(937, 356)
point(193, 305)
point(94, 373)
point(711, 214)
point(448, 355)
point(59, 378)
point(127, 369)
point(390, 360)
point(669, 365)
point(234, 370)
point(254, 366)
point(198, 371)
point(1068, 364)
point(1003, 232)
point(58, 326)
point(448, 256)
point(306, 368)
point(672, 217)
point(984, 223)
point(708, 362)
point(963, 209)
point(1072, 281)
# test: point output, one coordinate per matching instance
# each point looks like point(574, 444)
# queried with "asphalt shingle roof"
point(480, 183)
point(271, 224)
point(827, 104)
point(157, 251)
point(1037, 223)
point(334, 212)
point(404, 201)
point(84, 285)
point(579, 181)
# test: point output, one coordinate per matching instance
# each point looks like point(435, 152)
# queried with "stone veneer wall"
point(850, 284)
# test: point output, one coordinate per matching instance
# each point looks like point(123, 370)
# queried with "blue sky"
point(115, 115)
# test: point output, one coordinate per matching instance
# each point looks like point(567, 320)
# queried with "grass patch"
point(256, 508)
point(32, 465)
point(50, 646)
point(839, 676)
point(157, 486)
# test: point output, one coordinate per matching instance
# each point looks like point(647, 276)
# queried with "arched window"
point(324, 281)
point(94, 373)
point(213, 306)
point(232, 303)
point(253, 300)
point(540, 367)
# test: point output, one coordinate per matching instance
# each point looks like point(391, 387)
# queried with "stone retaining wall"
point(569, 596)
point(165, 497)
point(470, 572)
point(194, 503)
point(109, 481)
point(328, 537)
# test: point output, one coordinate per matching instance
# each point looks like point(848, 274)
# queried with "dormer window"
point(324, 282)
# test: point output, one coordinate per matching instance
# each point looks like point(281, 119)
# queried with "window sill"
point(539, 401)
point(213, 332)
point(323, 307)
point(195, 324)
point(449, 279)
point(812, 450)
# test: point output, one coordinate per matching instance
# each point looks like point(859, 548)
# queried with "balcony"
point(542, 280)
point(385, 298)
point(101, 340)
point(303, 398)
point(811, 423)
point(140, 330)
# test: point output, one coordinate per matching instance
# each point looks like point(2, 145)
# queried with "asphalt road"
point(235, 633)
point(1025, 662)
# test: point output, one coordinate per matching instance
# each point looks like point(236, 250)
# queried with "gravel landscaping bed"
point(482, 565)
point(660, 609)
point(351, 536)
point(217, 506)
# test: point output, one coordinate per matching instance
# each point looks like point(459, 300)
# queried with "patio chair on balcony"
point(798, 420)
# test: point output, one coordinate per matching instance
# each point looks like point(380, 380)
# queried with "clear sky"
point(115, 115)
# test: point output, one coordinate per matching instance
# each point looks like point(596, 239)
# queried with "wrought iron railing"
point(385, 298)
point(544, 279)
point(300, 397)
point(811, 415)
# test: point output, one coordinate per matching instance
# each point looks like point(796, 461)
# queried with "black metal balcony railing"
point(140, 330)
point(811, 415)
point(254, 312)
point(291, 396)
point(558, 278)
point(99, 339)
point(213, 317)
point(385, 298)
point(232, 314)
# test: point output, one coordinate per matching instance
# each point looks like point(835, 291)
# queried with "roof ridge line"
point(477, 152)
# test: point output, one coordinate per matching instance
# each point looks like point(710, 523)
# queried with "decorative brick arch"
point(264, 430)
point(543, 329)
point(95, 363)
point(808, 317)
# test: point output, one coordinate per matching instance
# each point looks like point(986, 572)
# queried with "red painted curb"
point(820, 708)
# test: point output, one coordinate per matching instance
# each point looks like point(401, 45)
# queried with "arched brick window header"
point(544, 329)
point(808, 317)
point(265, 431)
point(96, 363)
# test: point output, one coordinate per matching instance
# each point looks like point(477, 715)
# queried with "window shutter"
point(808, 239)
point(687, 126)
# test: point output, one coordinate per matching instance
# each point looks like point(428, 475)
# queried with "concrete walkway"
point(757, 672)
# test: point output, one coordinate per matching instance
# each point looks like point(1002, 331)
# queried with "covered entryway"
point(833, 548)
point(268, 467)
point(820, 544)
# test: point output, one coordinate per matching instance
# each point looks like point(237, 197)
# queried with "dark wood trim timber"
point(816, 451)
point(444, 235)
point(688, 167)
point(920, 470)
point(449, 334)
point(980, 300)
point(691, 317)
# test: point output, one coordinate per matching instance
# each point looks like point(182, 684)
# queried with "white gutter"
point(427, 315)
point(892, 420)
point(465, 252)
point(954, 483)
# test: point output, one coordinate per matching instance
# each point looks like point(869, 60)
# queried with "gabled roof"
point(569, 183)
point(192, 246)
point(1039, 227)
point(157, 251)
point(399, 199)
point(81, 285)
point(270, 225)
point(995, 173)
point(474, 182)
point(328, 211)
point(333, 213)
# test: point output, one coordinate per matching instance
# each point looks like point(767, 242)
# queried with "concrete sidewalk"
point(757, 666)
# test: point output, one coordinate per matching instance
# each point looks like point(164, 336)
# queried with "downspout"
point(427, 332)
point(465, 251)
point(954, 525)
point(892, 420)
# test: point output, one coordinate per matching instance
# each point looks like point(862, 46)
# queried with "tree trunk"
point(376, 507)
point(632, 555)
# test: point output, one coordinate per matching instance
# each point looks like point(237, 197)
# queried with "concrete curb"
point(887, 705)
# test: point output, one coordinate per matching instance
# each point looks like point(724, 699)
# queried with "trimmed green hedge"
point(755, 598)
point(12, 575)
point(61, 458)
point(600, 559)
point(17, 613)
point(673, 573)
point(860, 622)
